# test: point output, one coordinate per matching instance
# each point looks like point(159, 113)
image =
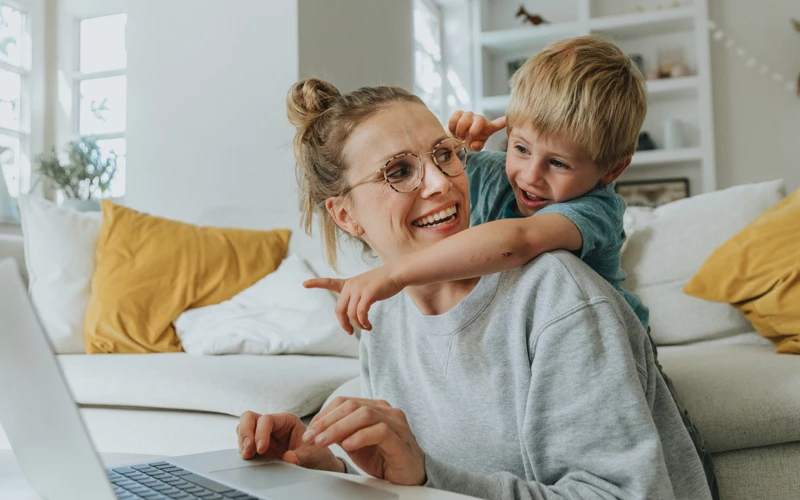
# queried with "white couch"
point(744, 398)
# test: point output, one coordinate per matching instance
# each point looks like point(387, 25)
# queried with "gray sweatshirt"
point(539, 384)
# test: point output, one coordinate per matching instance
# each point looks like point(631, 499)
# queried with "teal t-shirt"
point(598, 215)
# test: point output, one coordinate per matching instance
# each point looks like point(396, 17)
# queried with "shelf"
point(668, 87)
point(666, 156)
point(525, 36)
point(645, 23)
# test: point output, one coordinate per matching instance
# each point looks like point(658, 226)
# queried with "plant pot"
point(81, 205)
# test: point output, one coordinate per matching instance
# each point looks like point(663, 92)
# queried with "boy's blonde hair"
point(586, 89)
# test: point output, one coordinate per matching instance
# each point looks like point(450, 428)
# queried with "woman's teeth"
point(437, 219)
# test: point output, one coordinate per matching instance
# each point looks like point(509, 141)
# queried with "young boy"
point(574, 117)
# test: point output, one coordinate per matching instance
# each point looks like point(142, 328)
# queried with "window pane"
point(102, 105)
point(426, 29)
point(10, 91)
point(10, 164)
point(10, 35)
point(118, 146)
point(103, 43)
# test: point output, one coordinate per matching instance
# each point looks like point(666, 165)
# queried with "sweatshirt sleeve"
point(588, 430)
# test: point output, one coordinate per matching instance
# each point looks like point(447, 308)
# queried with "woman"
point(532, 383)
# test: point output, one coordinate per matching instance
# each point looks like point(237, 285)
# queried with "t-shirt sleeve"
point(588, 429)
point(598, 217)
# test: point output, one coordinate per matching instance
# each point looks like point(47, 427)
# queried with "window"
point(428, 81)
point(100, 86)
point(15, 106)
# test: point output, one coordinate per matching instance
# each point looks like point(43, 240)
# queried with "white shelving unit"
point(499, 38)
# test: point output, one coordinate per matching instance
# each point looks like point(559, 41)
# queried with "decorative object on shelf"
point(672, 5)
point(645, 142)
point(752, 61)
point(653, 74)
point(513, 66)
point(653, 193)
point(534, 19)
point(86, 176)
point(671, 60)
point(638, 60)
point(680, 70)
point(673, 134)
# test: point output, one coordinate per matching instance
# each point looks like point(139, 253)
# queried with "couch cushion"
point(758, 272)
point(739, 396)
point(149, 270)
point(668, 248)
point(221, 384)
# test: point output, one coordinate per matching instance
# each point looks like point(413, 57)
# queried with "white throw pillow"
point(274, 316)
point(669, 246)
point(60, 256)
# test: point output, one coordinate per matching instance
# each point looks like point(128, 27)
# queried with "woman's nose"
point(434, 182)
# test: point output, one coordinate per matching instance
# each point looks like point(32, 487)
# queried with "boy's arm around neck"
point(486, 249)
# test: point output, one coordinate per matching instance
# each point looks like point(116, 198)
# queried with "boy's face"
point(546, 170)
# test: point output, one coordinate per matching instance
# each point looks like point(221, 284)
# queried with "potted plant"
point(85, 176)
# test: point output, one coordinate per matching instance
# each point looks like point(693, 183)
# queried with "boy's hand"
point(474, 129)
point(357, 294)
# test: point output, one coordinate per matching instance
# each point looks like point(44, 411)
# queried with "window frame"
point(434, 6)
point(32, 94)
point(77, 77)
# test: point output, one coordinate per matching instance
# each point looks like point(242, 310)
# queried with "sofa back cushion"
point(670, 247)
point(149, 270)
point(758, 272)
point(59, 253)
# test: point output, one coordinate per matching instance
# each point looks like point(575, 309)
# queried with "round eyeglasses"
point(404, 172)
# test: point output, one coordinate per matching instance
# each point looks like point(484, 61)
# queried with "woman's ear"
point(342, 217)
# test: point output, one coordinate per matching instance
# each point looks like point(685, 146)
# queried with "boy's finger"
point(333, 284)
point(451, 125)
point(352, 313)
point(477, 145)
point(499, 123)
point(341, 314)
point(463, 125)
point(478, 124)
point(363, 314)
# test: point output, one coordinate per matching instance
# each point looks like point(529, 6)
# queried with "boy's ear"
point(341, 216)
point(615, 172)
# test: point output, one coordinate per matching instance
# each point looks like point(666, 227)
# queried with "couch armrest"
point(12, 246)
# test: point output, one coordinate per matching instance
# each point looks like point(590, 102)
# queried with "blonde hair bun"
point(308, 100)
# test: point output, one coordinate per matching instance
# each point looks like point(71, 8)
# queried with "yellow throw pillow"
point(758, 272)
point(149, 270)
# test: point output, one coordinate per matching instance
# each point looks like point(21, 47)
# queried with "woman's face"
point(393, 224)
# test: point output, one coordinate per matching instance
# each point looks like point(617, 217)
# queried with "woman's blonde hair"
point(324, 118)
point(586, 89)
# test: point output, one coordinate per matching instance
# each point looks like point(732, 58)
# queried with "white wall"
point(208, 138)
point(355, 43)
point(757, 122)
point(207, 129)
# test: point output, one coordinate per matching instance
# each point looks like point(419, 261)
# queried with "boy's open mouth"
point(439, 218)
point(532, 197)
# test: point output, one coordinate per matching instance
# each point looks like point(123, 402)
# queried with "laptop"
point(54, 450)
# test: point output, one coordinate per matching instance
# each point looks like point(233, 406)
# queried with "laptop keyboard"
point(163, 481)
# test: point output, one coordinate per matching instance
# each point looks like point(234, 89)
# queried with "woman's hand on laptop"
point(474, 129)
point(280, 436)
point(375, 436)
